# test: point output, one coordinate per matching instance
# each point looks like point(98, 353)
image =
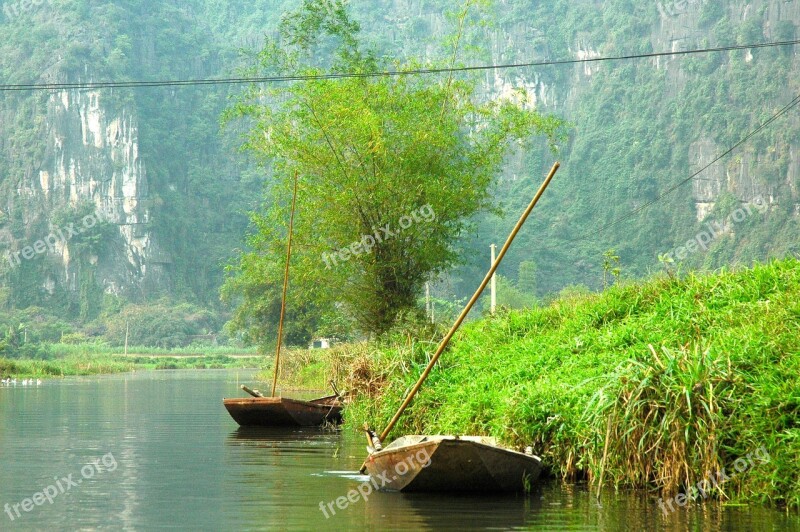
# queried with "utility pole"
point(493, 289)
point(428, 312)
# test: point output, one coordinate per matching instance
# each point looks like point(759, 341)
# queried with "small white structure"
point(320, 343)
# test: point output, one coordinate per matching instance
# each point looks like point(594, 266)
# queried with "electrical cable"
point(390, 73)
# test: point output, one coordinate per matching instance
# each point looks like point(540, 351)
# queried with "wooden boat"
point(450, 463)
point(284, 412)
point(279, 411)
point(463, 464)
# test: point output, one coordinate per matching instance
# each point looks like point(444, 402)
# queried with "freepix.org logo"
point(58, 237)
point(62, 485)
point(12, 10)
point(676, 7)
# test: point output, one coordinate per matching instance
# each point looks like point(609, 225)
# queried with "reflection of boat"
point(408, 510)
point(451, 464)
point(284, 412)
point(258, 434)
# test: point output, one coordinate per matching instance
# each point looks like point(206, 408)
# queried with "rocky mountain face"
point(671, 25)
point(89, 155)
point(679, 28)
point(642, 125)
point(680, 25)
point(93, 155)
point(67, 150)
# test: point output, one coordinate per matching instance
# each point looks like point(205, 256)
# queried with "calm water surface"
point(157, 450)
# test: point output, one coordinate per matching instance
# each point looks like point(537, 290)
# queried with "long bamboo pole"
point(285, 287)
point(471, 303)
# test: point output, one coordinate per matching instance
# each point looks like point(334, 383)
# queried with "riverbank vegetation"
point(652, 128)
point(307, 369)
point(80, 360)
point(157, 330)
point(656, 385)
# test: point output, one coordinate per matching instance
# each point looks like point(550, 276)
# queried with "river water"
point(157, 450)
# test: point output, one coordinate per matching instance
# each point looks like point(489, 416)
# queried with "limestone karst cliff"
point(154, 161)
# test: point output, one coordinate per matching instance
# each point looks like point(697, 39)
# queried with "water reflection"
point(459, 512)
point(277, 434)
point(185, 464)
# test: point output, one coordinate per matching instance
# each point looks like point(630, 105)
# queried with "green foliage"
point(32, 325)
point(509, 296)
point(164, 325)
point(255, 288)
point(656, 385)
point(610, 266)
point(635, 125)
point(335, 326)
point(391, 168)
point(711, 13)
point(526, 277)
point(74, 338)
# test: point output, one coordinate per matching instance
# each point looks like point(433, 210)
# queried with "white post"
point(428, 312)
point(494, 284)
point(126, 337)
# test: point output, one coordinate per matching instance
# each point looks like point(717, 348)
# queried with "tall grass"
point(74, 365)
point(101, 348)
point(654, 385)
point(347, 365)
point(80, 363)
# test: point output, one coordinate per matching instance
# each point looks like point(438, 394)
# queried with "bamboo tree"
point(389, 178)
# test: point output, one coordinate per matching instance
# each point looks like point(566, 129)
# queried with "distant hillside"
point(175, 191)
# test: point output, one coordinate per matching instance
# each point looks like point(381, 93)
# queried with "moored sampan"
point(284, 412)
point(451, 464)
point(280, 411)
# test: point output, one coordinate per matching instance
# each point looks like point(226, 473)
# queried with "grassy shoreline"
point(89, 359)
point(658, 385)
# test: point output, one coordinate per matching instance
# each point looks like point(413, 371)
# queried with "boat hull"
point(450, 464)
point(284, 412)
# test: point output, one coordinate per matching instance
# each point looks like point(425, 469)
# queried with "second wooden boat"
point(284, 412)
point(261, 411)
point(466, 464)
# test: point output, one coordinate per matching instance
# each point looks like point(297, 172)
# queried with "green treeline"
point(637, 128)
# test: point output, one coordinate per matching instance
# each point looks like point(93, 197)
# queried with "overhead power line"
point(389, 73)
